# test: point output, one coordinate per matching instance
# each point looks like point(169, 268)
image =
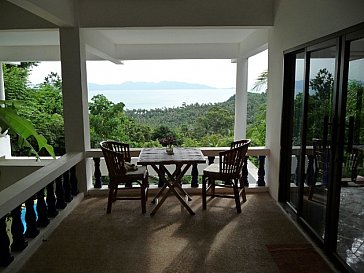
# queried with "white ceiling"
point(176, 35)
point(130, 43)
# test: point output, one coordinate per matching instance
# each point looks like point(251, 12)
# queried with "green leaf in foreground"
point(24, 129)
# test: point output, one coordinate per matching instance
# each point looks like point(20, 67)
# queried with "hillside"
point(188, 114)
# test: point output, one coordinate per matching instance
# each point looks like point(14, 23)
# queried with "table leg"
point(173, 185)
point(159, 171)
point(172, 188)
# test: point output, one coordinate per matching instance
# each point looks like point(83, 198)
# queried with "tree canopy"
point(191, 125)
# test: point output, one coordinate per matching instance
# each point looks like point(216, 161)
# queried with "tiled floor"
point(351, 227)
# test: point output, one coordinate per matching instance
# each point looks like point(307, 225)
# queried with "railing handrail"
point(207, 151)
point(26, 187)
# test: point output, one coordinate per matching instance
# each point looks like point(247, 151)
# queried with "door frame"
point(342, 42)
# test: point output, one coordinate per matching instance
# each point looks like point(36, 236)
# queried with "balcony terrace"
point(94, 241)
point(76, 31)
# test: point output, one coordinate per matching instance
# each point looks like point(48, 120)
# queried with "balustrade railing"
point(259, 153)
point(40, 195)
point(46, 191)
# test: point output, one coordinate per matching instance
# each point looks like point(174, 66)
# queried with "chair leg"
point(237, 196)
point(243, 194)
point(144, 194)
point(144, 203)
point(310, 192)
point(212, 183)
point(203, 192)
point(110, 199)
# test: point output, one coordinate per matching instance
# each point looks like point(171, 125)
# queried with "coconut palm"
point(261, 82)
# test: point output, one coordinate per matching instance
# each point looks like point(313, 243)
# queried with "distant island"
point(148, 85)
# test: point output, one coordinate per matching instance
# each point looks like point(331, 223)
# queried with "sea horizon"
point(164, 98)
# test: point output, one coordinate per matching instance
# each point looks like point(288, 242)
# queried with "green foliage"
point(43, 108)
point(193, 125)
point(15, 82)
point(108, 121)
point(200, 124)
point(217, 121)
point(23, 128)
point(319, 103)
point(354, 108)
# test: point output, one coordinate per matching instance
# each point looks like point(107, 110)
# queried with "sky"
point(214, 73)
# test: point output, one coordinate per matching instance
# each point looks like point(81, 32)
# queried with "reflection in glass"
point(297, 128)
point(350, 240)
point(318, 137)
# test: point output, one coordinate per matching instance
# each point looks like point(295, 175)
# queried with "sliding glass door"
point(296, 154)
point(350, 237)
point(322, 143)
point(318, 136)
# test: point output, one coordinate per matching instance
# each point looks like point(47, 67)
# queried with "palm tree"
point(261, 82)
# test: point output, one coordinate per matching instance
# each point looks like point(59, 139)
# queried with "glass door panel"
point(297, 129)
point(350, 239)
point(318, 137)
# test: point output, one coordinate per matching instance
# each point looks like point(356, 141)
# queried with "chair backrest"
point(232, 161)
point(115, 154)
point(118, 147)
point(350, 165)
point(321, 153)
point(239, 143)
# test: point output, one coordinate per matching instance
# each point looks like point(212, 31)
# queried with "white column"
point(75, 103)
point(241, 98)
point(2, 87)
point(5, 145)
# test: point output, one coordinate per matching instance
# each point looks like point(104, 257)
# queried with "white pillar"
point(75, 103)
point(5, 145)
point(241, 98)
point(2, 87)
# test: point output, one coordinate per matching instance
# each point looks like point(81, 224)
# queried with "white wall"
point(295, 23)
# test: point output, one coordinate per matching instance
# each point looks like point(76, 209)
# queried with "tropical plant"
point(23, 128)
point(261, 82)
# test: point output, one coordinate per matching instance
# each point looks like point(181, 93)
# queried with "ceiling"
point(117, 44)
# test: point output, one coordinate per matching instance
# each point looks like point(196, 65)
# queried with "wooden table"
point(182, 158)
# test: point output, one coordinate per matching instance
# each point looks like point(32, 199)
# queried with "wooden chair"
point(350, 167)
point(239, 143)
point(321, 153)
point(321, 157)
point(229, 168)
point(236, 144)
point(117, 157)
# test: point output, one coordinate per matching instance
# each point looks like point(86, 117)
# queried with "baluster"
point(67, 187)
point(194, 174)
point(261, 171)
point(310, 177)
point(30, 219)
point(5, 255)
point(60, 202)
point(161, 182)
point(51, 201)
point(244, 173)
point(211, 159)
point(97, 173)
point(74, 182)
point(17, 230)
point(43, 220)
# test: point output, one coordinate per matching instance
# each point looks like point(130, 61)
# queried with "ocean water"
point(151, 99)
